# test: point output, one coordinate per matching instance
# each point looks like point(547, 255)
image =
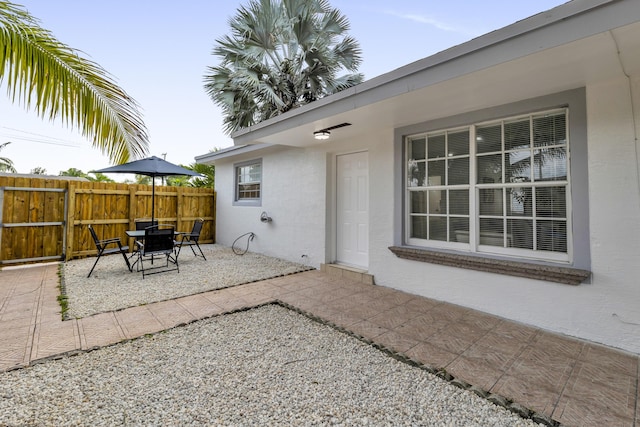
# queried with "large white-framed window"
point(496, 187)
point(248, 183)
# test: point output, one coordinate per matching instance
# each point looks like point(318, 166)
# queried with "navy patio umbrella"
point(151, 166)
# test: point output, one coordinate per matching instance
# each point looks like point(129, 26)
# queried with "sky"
point(158, 51)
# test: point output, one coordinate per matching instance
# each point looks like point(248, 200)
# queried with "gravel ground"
point(266, 366)
point(112, 287)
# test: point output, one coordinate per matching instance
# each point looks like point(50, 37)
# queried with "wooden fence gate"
point(33, 225)
point(46, 219)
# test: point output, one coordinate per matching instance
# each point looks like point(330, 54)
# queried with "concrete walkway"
point(569, 381)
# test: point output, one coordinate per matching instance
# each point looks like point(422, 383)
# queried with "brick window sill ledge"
point(566, 275)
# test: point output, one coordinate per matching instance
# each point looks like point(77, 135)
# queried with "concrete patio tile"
point(543, 369)
point(476, 371)
point(610, 359)
point(100, 330)
point(242, 290)
point(344, 319)
point(20, 310)
point(638, 402)
point(230, 303)
point(597, 387)
point(170, 313)
point(289, 280)
point(368, 310)
point(404, 312)
point(257, 298)
point(297, 282)
point(396, 341)
point(367, 329)
point(576, 412)
point(394, 318)
point(51, 339)
point(22, 297)
point(313, 292)
point(336, 317)
point(13, 356)
point(528, 393)
point(49, 318)
point(15, 329)
point(515, 331)
point(480, 320)
point(321, 310)
point(359, 287)
point(337, 278)
point(423, 326)
point(264, 287)
point(456, 337)
point(431, 355)
point(390, 296)
point(335, 293)
point(300, 302)
point(349, 302)
point(199, 306)
point(449, 312)
point(225, 293)
point(496, 350)
point(420, 304)
point(137, 321)
point(558, 344)
point(272, 287)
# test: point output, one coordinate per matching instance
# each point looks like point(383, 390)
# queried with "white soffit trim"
point(210, 158)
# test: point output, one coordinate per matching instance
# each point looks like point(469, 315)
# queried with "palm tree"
point(38, 170)
point(6, 164)
point(142, 179)
point(43, 73)
point(281, 54)
point(73, 172)
point(208, 178)
point(98, 177)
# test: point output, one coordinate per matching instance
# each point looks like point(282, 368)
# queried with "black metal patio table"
point(139, 235)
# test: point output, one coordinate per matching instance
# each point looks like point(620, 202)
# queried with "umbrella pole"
point(153, 204)
point(153, 200)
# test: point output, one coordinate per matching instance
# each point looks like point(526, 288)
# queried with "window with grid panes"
point(248, 181)
point(497, 187)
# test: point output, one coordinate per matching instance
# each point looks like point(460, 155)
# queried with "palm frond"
point(44, 74)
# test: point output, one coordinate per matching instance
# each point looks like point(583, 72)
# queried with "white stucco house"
point(502, 174)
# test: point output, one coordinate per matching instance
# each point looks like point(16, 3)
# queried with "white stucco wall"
point(293, 195)
point(605, 310)
point(299, 192)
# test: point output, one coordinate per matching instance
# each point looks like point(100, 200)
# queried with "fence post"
point(214, 222)
point(132, 206)
point(71, 217)
point(179, 208)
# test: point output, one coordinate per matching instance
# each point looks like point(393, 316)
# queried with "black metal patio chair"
point(141, 224)
point(191, 239)
point(158, 241)
point(103, 248)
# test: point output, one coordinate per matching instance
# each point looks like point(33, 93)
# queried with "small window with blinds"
point(248, 183)
point(497, 187)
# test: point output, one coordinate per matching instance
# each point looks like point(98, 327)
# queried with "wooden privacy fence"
point(46, 219)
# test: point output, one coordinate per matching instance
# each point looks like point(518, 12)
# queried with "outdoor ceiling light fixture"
point(322, 134)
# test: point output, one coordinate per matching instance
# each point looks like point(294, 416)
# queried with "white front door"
point(352, 216)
